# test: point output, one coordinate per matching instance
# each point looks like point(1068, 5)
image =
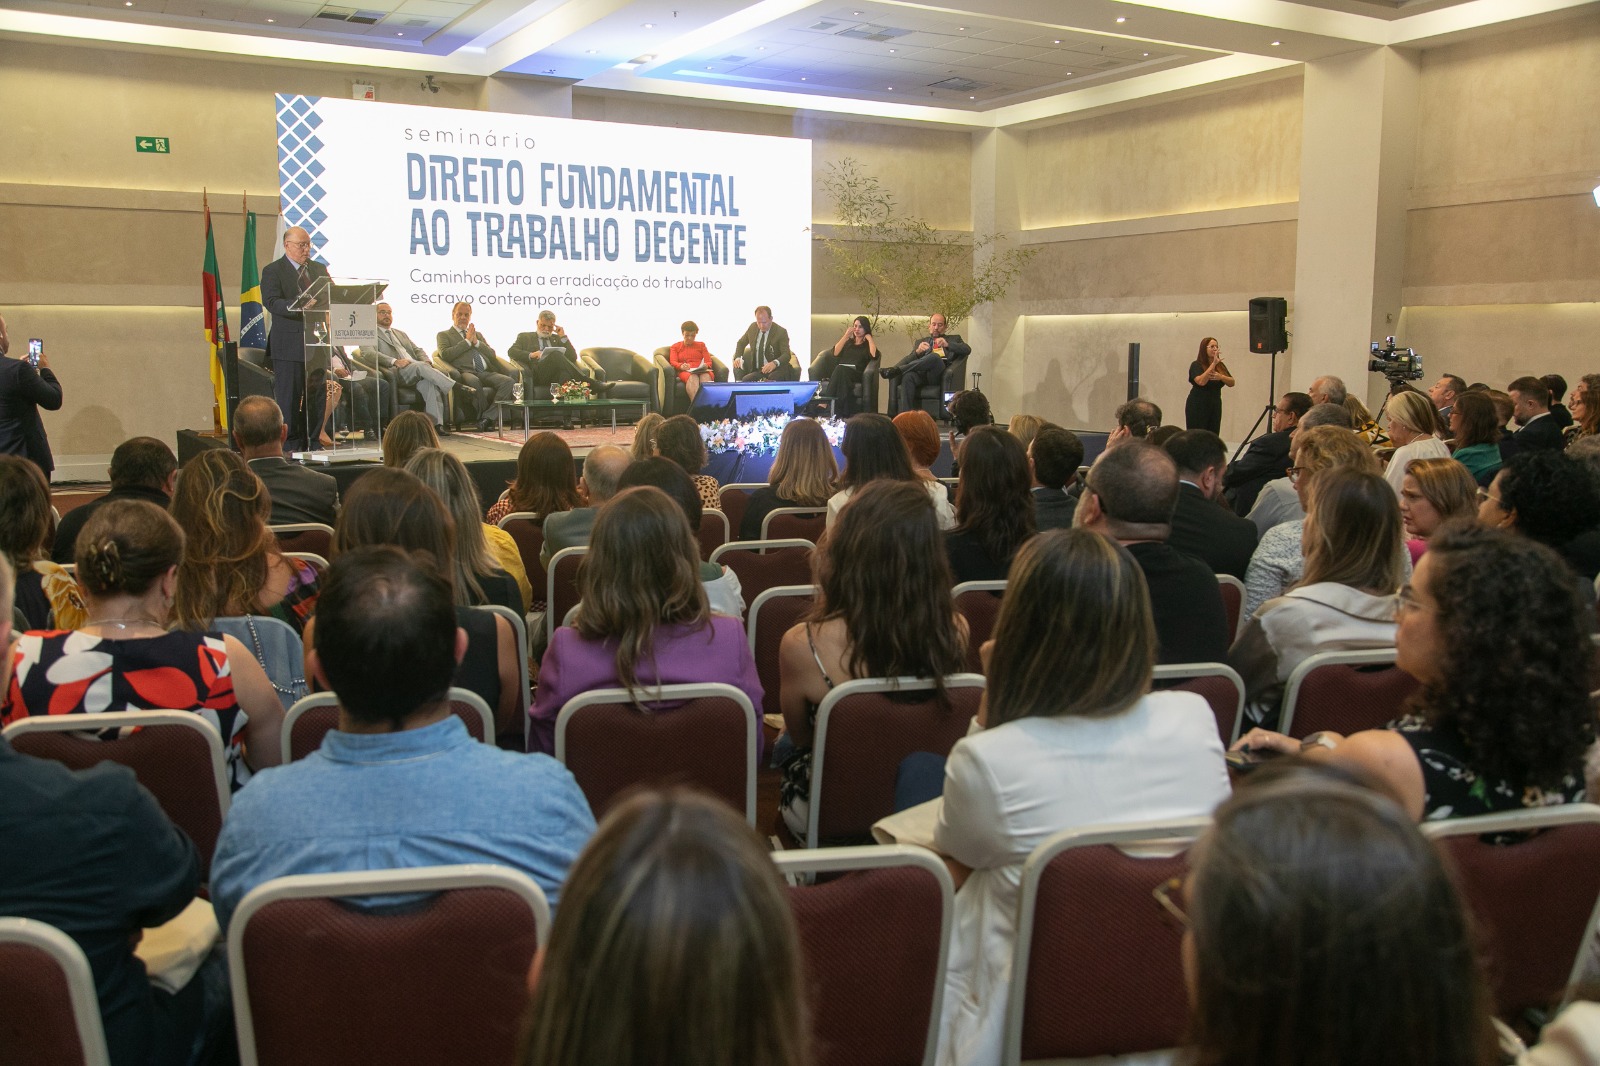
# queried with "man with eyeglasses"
point(300, 396)
point(1268, 455)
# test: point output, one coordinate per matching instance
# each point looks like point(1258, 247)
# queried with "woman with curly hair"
point(1584, 403)
point(802, 476)
point(1475, 427)
point(1552, 499)
point(679, 439)
point(46, 594)
point(1434, 492)
point(874, 449)
point(1497, 633)
point(231, 562)
point(546, 481)
point(994, 506)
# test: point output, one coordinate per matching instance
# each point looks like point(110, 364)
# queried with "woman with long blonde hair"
point(479, 576)
point(1413, 423)
point(409, 433)
point(802, 475)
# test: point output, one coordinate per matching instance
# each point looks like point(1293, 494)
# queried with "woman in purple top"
point(643, 620)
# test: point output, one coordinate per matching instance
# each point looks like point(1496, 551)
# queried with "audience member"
point(675, 945)
point(1489, 622)
point(1025, 428)
point(1054, 456)
point(1537, 429)
point(46, 595)
point(1051, 756)
point(1275, 567)
point(1345, 601)
point(969, 409)
point(644, 435)
point(1505, 409)
point(1161, 434)
point(1587, 453)
point(802, 474)
point(142, 468)
point(1130, 497)
point(679, 439)
point(1558, 388)
point(1328, 389)
point(1550, 499)
point(476, 573)
point(921, 434)
point(296, 493)
point(123, 658)
point(1585, 411)
point(1413, 429)
point(1268, 455)
point(1135, 420)
point(546, 481)
point(1278, 502)
point(883, 610)
point(873, 448)
point(1475, 426)
point(1435, 491)
point(23, 390)
point(994, 506)
point(390, 507)
point(570, 529)
point(643, 620)
point(401, 782)
point(1321, 927)
point(1201, 525)
point(723, 592)
point(1444, 394)
point(1361, 419)
point(231, 562)
point(409, 433)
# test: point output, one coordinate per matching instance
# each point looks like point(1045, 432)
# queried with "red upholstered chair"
point(764, 564)
point(561, 589)
point(177, 755)
point(1232, 590)
point(1345, 691)
point(519, 636)
point(51, 1016)
point(875, 943)
point(770, 616)
point(708, 741)
point(314, 717)
point(795, 523)
point(979, 603)
point(1221, 686)
point(527, 529)
point(863, 733)
point(311, 537)
point(734, 498)
point(1098, 968)
point(713, 532)
point(318, 981)
point(1533, 900)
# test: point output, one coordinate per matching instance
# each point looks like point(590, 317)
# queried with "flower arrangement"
point(758, 435)
point(572, 392)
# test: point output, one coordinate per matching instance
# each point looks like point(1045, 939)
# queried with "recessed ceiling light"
point(708, 68)
point(399, 35)
point(1276, 43)
point(802, 79)
point(592, 52)
point(761, 48)
point(1069, 73)
point(1122, 18)
point(1058, 42)
point(649, 25)
point(972, 98)
point(891, 51)
point(1147, 53)
point(647, 59)
point(272, 20)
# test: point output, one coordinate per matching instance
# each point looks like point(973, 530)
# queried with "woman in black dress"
point(1207, 376)
point(853, 351)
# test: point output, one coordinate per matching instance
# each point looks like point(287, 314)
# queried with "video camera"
point(1396, 364)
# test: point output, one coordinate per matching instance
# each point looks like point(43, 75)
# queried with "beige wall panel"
point(1496, 344)
point(1513, 251)
point(1237, 148)
point(642, 110)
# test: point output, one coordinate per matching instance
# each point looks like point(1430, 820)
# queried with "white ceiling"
point(984, 62)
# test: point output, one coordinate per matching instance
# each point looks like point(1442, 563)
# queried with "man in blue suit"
point(282, 282)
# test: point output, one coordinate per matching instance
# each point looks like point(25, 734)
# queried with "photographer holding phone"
point(23, 390)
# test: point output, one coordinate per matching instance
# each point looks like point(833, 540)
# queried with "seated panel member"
point(403, 362)
point(692, 360)
point(464, 348)
point(926, 363)
point(371, 395)
point(763, 354)
point(548, 356)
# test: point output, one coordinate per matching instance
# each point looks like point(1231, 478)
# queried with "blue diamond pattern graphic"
point(299, 168)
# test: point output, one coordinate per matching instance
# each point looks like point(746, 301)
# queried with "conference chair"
point(708, 738)
point(561, 591)
point(764, 564)
point(1221, 686)
point(674, 398)
point(632, 376)
point(875, 946)
point(318, 981)
point(177, 755)
point(713, 532)
point(1345, 691)
point(769, 617)
point(979, 603)
point(51, 1014)
point(865, 728)
point(866, 391)
point(314, 717)
point(276, 646)
point(732, 499)
point(519, 633)
point(1232, 590)
point(930, 398)
point(795, 523)
point(527, 529)
point(312, 537)
point(1098, 967)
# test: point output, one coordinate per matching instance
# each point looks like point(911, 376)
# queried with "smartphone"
point(35, 350)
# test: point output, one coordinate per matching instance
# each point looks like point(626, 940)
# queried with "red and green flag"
point(216, 318)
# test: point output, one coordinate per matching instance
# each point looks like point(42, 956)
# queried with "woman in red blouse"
point(691, 360)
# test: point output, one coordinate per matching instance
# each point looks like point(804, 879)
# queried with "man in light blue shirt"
point(400, 783)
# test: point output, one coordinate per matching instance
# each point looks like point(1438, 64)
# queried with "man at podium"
point(282, 282)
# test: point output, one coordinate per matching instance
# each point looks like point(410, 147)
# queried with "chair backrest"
point(795, 523)
point(52, 1015)
point(733, 498)
point(875, 942)
point(1535, 900)
point(764, 564)
point(1098, 966)
point(276, 646)
point(619, 364)
point(561, 588)
point(709, 741)
point(177, 755)
point(979, 603)
point(1232, 590)
point(519, 633)
point(314, 717)
point(312, 537)
point(526, 530)
point(863, 732)
point(770, 616)
point(713, 531)
point(318, 982)
point(1221, 686)
point(1345, 691)
point(319, 563)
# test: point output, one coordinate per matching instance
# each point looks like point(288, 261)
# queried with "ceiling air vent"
point(824, 26)
point(868, 32)
point(345, 14)
point(416, 22)
point(960, 85)
point(733, 59)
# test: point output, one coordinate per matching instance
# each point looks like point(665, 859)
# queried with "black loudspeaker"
point(1267, 333)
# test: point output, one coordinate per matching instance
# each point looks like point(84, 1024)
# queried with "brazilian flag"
point(252, 318)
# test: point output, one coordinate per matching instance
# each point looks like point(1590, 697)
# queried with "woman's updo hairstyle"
point(125, 548)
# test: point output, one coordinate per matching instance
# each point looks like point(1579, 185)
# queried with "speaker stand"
point(1266, 412)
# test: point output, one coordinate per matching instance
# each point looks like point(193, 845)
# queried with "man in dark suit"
point(300, 394)
point(926, 363)
point(548, 356)
point(1539, 431)
point(1130, 495)
point(298, 494)
point(1268, 455)
point(762, 353)
point(1054, 456)
point(464, 348)
point(142, 468)
point(23, 390)
point(1443, 393)
point(1201, 525)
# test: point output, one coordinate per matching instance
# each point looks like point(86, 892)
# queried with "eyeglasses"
point(1408, 600)
point(1297, 472)
point(1485, 494)
point(298, 244)
point(1163, 894)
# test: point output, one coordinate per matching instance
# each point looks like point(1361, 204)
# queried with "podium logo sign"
point(354, 324)
point(159, 145)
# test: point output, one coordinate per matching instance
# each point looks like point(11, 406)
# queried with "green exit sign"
point(160, 145)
